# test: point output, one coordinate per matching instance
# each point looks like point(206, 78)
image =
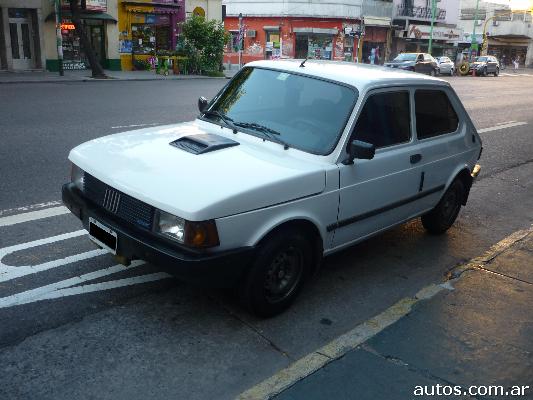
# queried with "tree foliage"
point(203, 42)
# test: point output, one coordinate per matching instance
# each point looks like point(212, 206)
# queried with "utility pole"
point(473, 43)
point(59, 38)
point(241, 40)
point(433, 6)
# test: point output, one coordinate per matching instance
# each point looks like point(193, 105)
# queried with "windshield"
point(406, 57)
point(297, 111)
point(480, 59)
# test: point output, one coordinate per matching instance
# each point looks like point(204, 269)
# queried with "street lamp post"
point(433, 5)
point(241, 39)
point(59, 38)
point(473, 43)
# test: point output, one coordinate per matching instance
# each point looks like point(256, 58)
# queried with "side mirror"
point(361, 150)
point(202, 104)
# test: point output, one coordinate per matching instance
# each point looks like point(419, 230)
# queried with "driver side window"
point(384, 120)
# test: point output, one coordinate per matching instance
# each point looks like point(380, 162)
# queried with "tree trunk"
point(96, 69)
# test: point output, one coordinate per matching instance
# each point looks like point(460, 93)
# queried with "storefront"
point(146, 29)
point(315, 43)
point(507, 49)
point(99, 27)
point(285, 37)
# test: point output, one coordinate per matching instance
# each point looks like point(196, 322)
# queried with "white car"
point(446, 66)
point(290, 162)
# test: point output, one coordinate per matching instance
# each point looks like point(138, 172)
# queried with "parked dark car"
point(417, 62)
point(485, 65)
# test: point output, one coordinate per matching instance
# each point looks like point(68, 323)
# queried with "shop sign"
point(67, 26)
point(150, 18)
point(439, 32)
point(91, 5)
point(74, 65)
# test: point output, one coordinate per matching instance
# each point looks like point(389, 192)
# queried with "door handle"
point(415, 158)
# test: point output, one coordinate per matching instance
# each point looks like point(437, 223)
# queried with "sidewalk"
point(480, 332)
point(85, 76)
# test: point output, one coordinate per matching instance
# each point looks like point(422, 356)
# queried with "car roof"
point(361, 76)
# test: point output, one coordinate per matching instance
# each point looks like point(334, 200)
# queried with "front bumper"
point(222, 269)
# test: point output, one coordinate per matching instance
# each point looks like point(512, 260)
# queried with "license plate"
point(102, 235)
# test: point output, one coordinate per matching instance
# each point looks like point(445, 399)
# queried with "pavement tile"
point(479, 334)
point(359, 375)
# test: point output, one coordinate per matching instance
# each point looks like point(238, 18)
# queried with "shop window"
point(143, 37)
point(434, 114)
point(384, 119)
point(272, 48)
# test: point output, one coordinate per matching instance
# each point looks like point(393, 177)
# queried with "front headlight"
point(77, 176)
point(201, 234)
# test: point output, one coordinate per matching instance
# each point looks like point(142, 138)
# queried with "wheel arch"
point(463, 173)
point(304, 224)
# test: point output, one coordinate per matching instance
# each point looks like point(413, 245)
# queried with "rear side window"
point(384, 119)
point(434, 114)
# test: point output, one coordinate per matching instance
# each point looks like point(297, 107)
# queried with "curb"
point(338, 347)
point(111, 80)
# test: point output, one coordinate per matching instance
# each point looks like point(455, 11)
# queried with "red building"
point(301, 37)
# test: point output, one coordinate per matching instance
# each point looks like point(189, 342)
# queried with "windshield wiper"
point(227, 120)
point(269, 132)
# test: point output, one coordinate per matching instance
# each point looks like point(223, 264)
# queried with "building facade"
point(22, 35)
point(509, 32)
point(210, 9)
point(412, 23)
point(147, 27)
point(336, 30)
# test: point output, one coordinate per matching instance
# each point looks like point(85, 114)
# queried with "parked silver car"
point(291, 161)
point(446, 66)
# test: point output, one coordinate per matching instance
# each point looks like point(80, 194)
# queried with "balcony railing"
point(420, 13)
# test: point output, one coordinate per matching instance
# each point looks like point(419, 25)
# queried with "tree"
point(96, 69)
point(204, 42)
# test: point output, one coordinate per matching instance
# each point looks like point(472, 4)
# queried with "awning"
point(149, 9)
point(67, 14)
point(323, 31)
point(271, 28)
point(377, 21)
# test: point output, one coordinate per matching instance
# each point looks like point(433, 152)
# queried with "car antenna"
point(303, 62)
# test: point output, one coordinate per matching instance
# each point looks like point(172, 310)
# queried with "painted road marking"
point(135, 125)
point(29, 295)
point(31, 207)
point(501, 126)
point(33, 215)
point(97, 287)
point(349, 341)
point(8, 272)
point(68, 287)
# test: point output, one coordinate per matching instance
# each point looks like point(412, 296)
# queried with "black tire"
point(484, 72)
point(452, 71)
point(442, 217)
point(277, 274)
point(432, 72)
point(497, 72)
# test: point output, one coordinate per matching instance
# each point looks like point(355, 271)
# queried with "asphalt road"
point(85, 328)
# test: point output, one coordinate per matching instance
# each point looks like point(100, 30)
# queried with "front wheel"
point(452, 72)
point(484, 72)
point(497, 72)
point(433, 72)
point(442, 217)
point(277, 274)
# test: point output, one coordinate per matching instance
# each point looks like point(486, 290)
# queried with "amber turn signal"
point(201, 234)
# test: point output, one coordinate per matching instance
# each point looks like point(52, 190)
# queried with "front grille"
point(120, 204)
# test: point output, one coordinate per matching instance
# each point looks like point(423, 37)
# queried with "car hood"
point(248, 176)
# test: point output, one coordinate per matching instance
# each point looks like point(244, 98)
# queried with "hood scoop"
point(203, 143)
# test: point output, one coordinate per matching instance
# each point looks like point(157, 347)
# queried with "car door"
point(440, 141)
point(420, 66)
point(378, 193)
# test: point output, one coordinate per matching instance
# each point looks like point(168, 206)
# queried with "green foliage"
point(203, 43)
